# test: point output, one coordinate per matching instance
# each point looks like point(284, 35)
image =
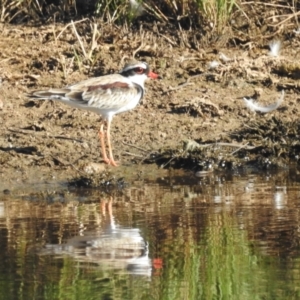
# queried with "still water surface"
point(216, 237)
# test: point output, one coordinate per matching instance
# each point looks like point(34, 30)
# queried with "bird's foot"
point(113, 163)
point(110, 161)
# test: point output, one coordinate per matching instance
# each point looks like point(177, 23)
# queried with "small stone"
point(94, 168)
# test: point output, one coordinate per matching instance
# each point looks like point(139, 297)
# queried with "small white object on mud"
point(213, 64)
point(297, 31)
point(275, 47)
point(263, 109)
point(224, 58)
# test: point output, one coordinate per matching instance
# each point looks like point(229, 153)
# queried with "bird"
point(105, 95)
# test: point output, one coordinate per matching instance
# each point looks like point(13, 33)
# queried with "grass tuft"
point(209, 17)
point(186, 13)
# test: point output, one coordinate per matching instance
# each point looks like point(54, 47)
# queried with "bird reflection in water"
point(112, 246)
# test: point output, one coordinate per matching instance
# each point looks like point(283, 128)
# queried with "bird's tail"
point(48, 94)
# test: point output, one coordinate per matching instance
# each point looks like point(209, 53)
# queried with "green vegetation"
point(206, 16)
point(190, 12)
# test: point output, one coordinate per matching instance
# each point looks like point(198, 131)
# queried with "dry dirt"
point(41, 140)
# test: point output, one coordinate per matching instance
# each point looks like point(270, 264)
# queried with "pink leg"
point(110, 154)
point(102, 143)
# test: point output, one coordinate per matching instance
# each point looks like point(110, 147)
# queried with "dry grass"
point(190, 23)
point(207, 15)
point(191, 12)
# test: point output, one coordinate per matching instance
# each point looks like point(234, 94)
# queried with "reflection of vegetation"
point(222, 265)
point(75, 282)
point(204, 251)
point(229, 265)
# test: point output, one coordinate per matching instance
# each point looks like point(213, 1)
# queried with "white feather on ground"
point(275, 47)
point(264, 109)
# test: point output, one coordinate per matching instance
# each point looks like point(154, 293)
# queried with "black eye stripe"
point(133, 69)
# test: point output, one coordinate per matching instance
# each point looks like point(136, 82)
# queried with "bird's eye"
point(139, 70)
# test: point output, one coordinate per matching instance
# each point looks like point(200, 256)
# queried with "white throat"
point(138, 79)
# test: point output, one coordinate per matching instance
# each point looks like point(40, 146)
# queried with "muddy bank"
point(194, 118)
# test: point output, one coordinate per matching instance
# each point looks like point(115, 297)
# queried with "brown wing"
point(107, 92)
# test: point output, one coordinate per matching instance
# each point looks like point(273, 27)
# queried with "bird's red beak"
point(152, 75)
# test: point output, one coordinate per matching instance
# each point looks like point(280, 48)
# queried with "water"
point(216, 237)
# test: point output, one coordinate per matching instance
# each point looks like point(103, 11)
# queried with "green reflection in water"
point(213, 260)
point(222, 265)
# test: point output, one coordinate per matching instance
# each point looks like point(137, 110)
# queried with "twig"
point(168, 39)
point(157, 12)
point(139, 148)
point(168, 162)
point(199, 146)
point(180, 86)
point(44, 135)
point(229, 145)
point(133, 154)
point(146, 157)
point(65, 164)
point(266, 4)
point(94, 42)
point(69, 25)
point(142, 43)
point(288, 18)
point(69, 164)
point(242, 147)
point(79, 40)
point(138, 49)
